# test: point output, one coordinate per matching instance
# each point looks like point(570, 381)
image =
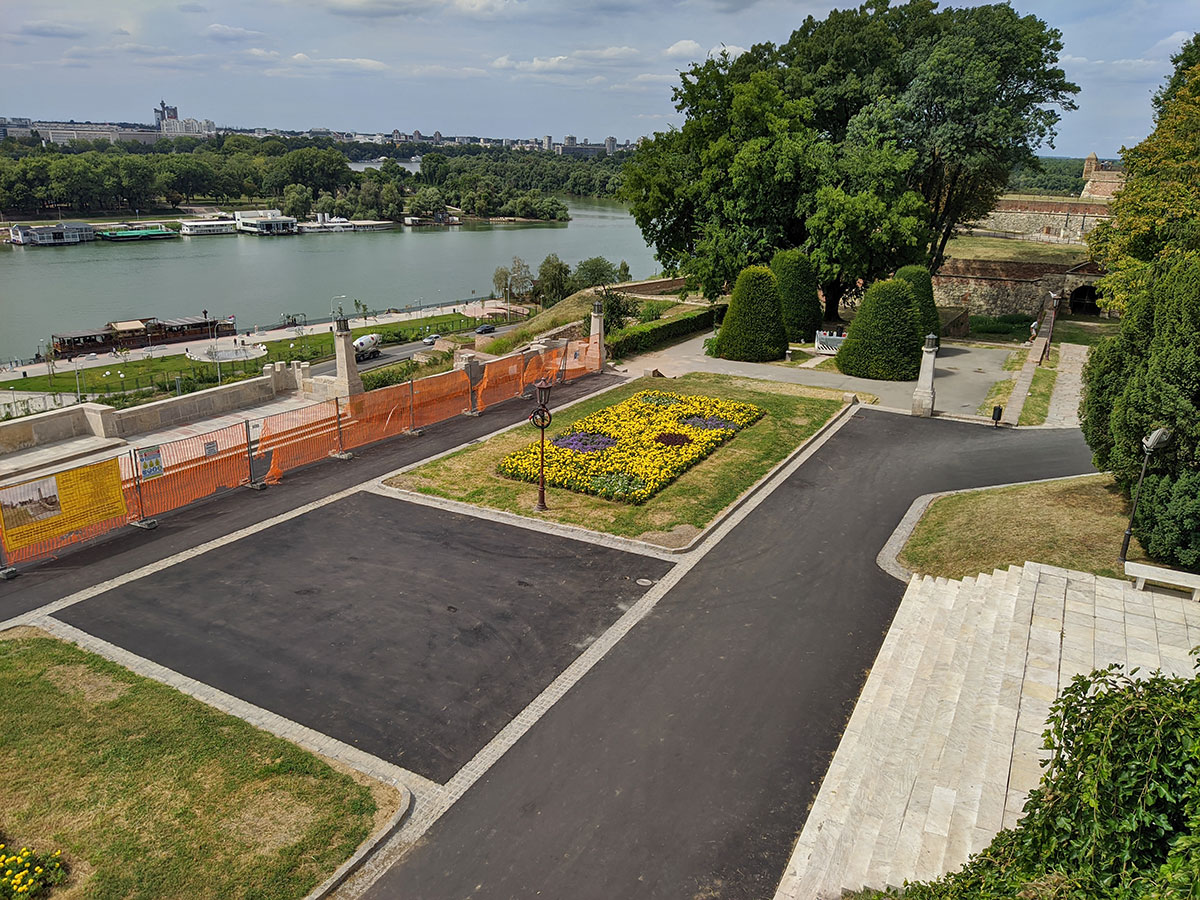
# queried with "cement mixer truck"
point(367, 347)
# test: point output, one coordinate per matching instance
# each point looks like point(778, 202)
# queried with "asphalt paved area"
point(128, 549)
point(411, 632)
point(684, 763)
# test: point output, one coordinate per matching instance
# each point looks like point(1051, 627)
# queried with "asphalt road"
point(126, 549)
point(684, 763)
point(413, 633)
point(389, 355)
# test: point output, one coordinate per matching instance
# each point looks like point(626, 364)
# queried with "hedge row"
point(648, 335)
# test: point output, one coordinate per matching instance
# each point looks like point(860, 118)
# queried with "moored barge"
point(135, 333)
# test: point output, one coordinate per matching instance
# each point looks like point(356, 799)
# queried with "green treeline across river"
point(300, 175)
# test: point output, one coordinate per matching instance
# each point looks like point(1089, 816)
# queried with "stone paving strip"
point(944, 742)
point(1068, 387)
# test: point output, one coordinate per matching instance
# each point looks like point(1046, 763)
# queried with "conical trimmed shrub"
point(798, 301)
point(883, 342)
point(921, 283)
point(753, 327)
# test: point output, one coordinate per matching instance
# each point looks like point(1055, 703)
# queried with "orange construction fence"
point(180, 472)
point(298, 437)
point(542, 365)
point(501, 381)
point(440, 397)
point(577, 360)
point(375, 415)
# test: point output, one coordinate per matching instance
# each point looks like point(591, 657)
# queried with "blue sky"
point(501, 68)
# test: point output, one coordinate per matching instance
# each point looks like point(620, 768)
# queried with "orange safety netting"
point(577, 360)
point(501, 381)
point(192, 468)
point(375, 415)
point(440, 397)
point(542, 365)
point(298, 437)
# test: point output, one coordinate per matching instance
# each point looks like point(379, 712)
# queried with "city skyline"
point(492, 68)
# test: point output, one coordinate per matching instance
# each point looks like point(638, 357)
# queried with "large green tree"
point(889, 124)
point(553, 281)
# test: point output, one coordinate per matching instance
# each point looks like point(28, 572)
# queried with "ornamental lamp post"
point(1155, 440)
point(541, 419)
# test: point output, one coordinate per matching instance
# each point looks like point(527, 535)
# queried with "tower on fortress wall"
point(1102, 181)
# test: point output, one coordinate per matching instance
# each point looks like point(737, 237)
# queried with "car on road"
point(485, 329)
point(430, 338)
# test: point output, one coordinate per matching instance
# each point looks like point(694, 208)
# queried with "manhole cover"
point(645, 582)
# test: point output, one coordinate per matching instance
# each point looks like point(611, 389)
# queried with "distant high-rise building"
point(569, 140)
point(547, 142)
point(417, 136)
point(437, 137)
point(610, 145)
point(164, 113)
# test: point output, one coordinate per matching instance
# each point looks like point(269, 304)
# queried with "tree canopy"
point(864, 140)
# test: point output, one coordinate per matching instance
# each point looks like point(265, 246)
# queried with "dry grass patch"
point(149, 793)
point(674, 515)
point(1075, 523)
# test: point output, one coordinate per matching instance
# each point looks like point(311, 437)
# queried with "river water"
point(45, 290)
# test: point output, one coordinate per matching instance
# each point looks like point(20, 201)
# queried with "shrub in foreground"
point(798, 301)
point(752, 330)
point(884, 341)
point(919, 280)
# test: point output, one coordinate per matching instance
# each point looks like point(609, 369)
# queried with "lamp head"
point(1156, 439)
point(542, 387)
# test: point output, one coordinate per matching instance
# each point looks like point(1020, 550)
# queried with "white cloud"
point(575, 61)
point(50, 30)
point(608, 54)
point(390, 9)
point(1168, 45)
point(230, 33)
point(733, 50)
point(684, 49)
point(300, 65)
point(597, 79)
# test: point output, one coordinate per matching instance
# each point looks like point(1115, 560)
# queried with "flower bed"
point(634, 449)
point(24, 873)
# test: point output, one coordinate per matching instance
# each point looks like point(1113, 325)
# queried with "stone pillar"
point(347, 381)
point(596, 338)
point(922, 403)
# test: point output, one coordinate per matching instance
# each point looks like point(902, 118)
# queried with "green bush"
point(646, 336)
point(652, 310)
point(884, 341)
point(753, 327)
point(994, 325)
point(798, 301)
point(1117, 813)
point(919, 280)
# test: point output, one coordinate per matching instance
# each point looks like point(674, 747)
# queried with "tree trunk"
point(833, 299)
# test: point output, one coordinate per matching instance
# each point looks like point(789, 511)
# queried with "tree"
point(434, 168)
point(753, 327)
point(553, 281)
point(623, 272)
point(592, 272)
point(520, 278)
point(884, 341)
point(1187, 57)
point(1157, 213)
point(847, 119)
point(428, 202)
point(799, 304)
point(925, 310)
point(297, 201)
point(500, 281)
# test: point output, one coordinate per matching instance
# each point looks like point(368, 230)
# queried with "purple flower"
point(584, 441)
point(709, 423)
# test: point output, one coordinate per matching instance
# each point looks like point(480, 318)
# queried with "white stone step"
point(908, 730)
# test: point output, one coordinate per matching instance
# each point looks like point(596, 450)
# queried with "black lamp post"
point(541, 419)
point(1151, 442)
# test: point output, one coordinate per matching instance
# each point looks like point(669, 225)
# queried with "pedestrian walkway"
point(1068, 388)
point(944, 743)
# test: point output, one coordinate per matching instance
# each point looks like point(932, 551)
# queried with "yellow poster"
point(58, 505)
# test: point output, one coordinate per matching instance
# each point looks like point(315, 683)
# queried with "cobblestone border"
point(889, 557)
point(298, 734)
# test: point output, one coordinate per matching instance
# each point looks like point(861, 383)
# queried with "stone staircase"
point(944, 743)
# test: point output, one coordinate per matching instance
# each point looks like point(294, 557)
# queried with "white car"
point(429, 339)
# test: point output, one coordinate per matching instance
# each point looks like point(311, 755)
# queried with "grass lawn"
point(828, 365)
point(1015, 361)
point(679, 511)
point(997, 396)
point(142, 373)
point(1077, 524)
point(149, 793)
point(1037, 401)
point(1088, 330)
point(968, 247)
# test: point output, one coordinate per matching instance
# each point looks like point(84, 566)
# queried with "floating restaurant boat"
point(151, 231)
point(208, 226)
point(58, 235)
point(135, 333)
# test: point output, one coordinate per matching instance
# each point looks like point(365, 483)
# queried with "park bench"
point(1141, 573)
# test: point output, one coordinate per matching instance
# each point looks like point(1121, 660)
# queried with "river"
point(46, 290)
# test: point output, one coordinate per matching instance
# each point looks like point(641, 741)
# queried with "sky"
point(495, 68)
